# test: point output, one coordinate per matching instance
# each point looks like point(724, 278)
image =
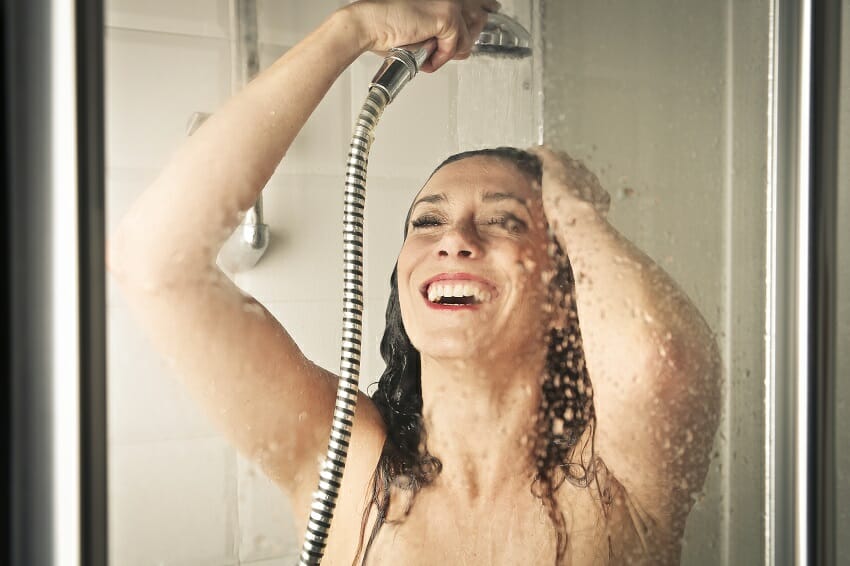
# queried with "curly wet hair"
point(562, 446)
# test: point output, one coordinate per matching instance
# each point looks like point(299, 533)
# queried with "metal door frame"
point(800, 333)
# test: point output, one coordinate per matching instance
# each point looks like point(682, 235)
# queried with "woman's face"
point(473, 272)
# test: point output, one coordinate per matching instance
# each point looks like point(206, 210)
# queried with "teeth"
point(432, 293)
point(437, 291)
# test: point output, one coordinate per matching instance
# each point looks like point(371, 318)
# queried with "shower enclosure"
point(716, 127)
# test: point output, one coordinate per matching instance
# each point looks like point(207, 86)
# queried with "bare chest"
point(507, 532)
point(465, 538)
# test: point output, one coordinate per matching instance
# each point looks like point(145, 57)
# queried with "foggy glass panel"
point(666, 101)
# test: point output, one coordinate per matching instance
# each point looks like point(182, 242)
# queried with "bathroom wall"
point(667, 102)
point(178, 493)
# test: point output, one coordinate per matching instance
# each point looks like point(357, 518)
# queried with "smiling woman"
point(572, 443)
point(508, 367)
point(479, 225)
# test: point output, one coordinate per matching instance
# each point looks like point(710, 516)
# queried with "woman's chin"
point(473, 349)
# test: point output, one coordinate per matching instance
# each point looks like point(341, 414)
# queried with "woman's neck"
point(479, 421)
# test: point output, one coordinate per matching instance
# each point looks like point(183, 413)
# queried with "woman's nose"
point(460, 241)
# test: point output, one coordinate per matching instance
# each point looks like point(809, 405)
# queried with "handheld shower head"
point(502, 36)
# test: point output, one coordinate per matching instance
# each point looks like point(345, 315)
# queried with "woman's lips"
point(457, 291)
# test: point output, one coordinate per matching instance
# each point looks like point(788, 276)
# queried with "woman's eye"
point(509, 223)
point(426, 221)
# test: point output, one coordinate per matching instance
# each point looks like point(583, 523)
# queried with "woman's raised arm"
point(245, 369)
point(235, 358)
point(652, 359)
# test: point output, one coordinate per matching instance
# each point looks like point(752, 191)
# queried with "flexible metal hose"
point(502, 36)
point(330, 476)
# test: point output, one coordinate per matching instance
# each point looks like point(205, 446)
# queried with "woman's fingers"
point(446, 48)
point(554, 163)
point(491, 5)
point(455, 25)
point(449, 44)
point(564, 176)
point(465, 41)
point(461, 33)
point(475, 22)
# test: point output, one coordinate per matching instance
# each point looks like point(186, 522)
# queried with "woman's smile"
point(458, 291)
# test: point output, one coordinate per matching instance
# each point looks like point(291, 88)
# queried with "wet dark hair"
point(565, 422)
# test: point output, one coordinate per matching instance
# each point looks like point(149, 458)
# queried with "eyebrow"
point(488, 197)
point(441, 197)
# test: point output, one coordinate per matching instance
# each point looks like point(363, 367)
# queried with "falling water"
point(494, 103)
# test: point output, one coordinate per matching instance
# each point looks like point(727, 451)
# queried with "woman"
point(486, 442)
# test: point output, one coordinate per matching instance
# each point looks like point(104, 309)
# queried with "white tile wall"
point(304, 258)
point(266, 529)
point(418, 129)
point(146, 403)
point(322, 145)
point(189, 17)
point(173, 503)
point(303, 261)
point(371, 363)
point(285, 22)
point(315, 327)
point(154, 82)
point(388, 200)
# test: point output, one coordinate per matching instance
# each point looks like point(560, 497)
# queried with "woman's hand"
point(569, 187)
point(455, 24)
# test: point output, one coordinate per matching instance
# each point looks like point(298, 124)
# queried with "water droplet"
point(254, 307)
point(558, 426)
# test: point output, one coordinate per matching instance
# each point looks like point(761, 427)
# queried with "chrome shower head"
point(503, 37)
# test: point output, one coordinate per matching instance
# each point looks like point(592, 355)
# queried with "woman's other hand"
point(569, 187)
point(455, 24)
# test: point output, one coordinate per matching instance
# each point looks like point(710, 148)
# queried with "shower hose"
point(399, 67)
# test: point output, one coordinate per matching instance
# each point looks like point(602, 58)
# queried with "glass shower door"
point(668, 102)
